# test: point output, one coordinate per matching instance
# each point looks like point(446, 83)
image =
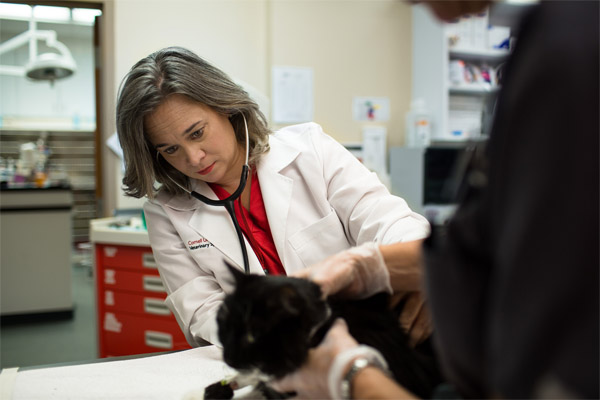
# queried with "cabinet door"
point(131, 315)
point(145, 304)
point(125, 334)
point(149, 281)
point(126, 257)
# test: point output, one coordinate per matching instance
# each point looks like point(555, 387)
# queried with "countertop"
point(179, 375)
point(114, 230)
point(20, 198)
point(10, 186)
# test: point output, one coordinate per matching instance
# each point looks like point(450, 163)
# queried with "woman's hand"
point(358, 272)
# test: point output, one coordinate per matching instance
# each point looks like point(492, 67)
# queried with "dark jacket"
point(513, 286)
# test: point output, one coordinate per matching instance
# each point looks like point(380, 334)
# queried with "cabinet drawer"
point(127, 257)
point(124, 334)
point(132, 281)
point(141, 304)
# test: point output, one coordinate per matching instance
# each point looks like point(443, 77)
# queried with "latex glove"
point(414, 317)
point(358, 272)
point(311, 381)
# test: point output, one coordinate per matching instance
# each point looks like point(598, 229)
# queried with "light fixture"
point(49, 67)
point(44, 67)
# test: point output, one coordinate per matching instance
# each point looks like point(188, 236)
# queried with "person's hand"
point(414, 317)
point(358, 272)
point(311, 380)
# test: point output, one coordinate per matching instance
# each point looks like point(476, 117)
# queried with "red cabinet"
point(132, 317)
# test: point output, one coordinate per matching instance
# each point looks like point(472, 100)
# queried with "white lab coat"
point(319, 200)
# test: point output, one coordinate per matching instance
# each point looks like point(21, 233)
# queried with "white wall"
point(229, 34)
point(355, 47)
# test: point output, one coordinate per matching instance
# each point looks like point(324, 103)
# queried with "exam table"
point(180, 375)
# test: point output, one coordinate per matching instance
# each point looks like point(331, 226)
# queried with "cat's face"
point(267, 322)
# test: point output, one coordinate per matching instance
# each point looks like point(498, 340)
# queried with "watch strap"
point(360, 357)
point(358, 365)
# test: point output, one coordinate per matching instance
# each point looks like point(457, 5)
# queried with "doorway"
point(65, 113)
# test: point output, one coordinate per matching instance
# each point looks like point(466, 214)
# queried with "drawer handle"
point(148, 261)
point(160, 340)
point(155, 306)
point(153, 283)
point(110, 251)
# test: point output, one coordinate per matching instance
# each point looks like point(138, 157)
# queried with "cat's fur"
point(269, 323)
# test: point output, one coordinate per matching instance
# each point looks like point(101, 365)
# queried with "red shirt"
point(255, 226)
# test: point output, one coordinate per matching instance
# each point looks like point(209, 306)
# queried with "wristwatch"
point(359, 357)
point(357, 365)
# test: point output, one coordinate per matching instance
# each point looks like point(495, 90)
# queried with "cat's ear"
point(316, 291)
point(291, 300)
point(238, 275)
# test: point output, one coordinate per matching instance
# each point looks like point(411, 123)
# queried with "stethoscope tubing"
point(228, 203)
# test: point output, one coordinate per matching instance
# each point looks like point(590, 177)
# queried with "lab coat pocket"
point(320, 240)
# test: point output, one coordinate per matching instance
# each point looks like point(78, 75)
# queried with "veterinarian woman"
point(184, 124)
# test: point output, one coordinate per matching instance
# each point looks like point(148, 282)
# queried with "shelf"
point(435, 71)
point(490, 55)
point(473, 89)
point(457, 143)
point(49, 124)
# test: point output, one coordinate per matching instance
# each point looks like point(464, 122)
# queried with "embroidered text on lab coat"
point(199, 244)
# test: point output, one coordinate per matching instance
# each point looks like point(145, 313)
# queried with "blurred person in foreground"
point(513, 285)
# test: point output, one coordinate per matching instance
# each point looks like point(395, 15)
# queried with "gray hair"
point(175, 70)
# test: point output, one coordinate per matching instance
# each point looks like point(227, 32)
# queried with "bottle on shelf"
point(418, 125)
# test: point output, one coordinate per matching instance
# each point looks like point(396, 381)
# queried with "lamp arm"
point(15, 42)
point(24, 38)
point(30, 37)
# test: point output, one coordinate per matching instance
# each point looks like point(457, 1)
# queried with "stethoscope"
point(228, 202)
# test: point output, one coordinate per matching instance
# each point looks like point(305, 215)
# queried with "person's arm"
point(403, 262)
point(367, 269)
point(363, 204)
point(325, 372)
point(372, 383)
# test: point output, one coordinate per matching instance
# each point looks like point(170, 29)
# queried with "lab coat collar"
point(216, 224)
point(280, 156)
point(276, 190)
point(188, 203)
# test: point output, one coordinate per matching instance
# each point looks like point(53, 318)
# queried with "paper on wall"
point(292, 94)
point(113, 143)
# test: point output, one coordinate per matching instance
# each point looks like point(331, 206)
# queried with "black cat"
point(269, 323)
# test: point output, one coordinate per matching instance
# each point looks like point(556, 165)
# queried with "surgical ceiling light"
point(44, 67)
